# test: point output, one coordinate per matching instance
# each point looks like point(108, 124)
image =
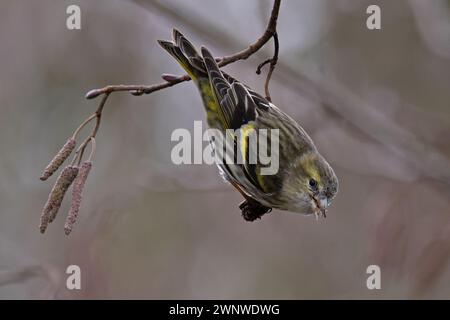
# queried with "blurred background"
point(375, 102)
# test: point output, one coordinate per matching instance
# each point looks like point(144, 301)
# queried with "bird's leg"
point(251, 208)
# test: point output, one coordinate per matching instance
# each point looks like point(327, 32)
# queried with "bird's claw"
point(252, 209)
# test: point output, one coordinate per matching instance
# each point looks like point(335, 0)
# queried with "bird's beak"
point(322, 204)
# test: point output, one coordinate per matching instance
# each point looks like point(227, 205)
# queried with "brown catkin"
point(77, 195)
point(58, 160)
point(56, 196)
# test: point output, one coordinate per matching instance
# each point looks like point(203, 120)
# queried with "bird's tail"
point(185, 53)
point(187, 56)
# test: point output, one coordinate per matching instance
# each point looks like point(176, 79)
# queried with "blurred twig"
point(20, 274)
point(24, 273)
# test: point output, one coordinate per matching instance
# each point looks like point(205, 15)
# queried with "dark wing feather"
point(236, 104)
point(261, 102)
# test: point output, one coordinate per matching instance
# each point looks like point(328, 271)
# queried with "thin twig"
point(171, 80)
point(85, 122)
point(136, 89)
point(258, 44)
point(273, 61)
point(93, 146)
point(98, 115)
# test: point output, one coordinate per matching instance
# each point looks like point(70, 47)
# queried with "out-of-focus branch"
point(20, 274)
point(433, 25)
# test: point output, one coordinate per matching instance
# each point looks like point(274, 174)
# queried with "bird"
point(304, 182)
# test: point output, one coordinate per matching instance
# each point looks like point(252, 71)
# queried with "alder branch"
point(77, 171)
point(136, 89)
point(170, 80)
point(226, 60)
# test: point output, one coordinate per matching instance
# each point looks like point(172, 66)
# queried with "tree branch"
point(241, 55)
point(170, 80)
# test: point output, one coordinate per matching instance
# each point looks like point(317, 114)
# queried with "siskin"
point(304, 183)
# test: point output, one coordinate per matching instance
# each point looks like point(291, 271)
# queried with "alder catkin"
point(77, 194)
point(58, 160)
point(56, 196)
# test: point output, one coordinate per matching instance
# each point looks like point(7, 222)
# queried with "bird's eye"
point(313, 183)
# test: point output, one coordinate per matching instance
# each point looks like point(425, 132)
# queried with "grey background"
point(375, 102)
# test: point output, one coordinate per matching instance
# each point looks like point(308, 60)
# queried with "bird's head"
point(310, 185)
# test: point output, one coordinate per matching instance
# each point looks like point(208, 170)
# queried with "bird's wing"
point(236, 104)
point(240, 108)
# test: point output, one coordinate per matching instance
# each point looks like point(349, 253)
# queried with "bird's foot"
point(252, 209)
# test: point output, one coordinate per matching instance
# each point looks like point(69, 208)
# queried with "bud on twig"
point(169, 77)
point(58, 160)
point(56, 196)
point(77, 194)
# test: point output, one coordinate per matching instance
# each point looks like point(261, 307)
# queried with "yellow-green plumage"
point(305, 182)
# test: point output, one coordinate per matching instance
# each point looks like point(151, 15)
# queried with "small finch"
point(304, 182)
